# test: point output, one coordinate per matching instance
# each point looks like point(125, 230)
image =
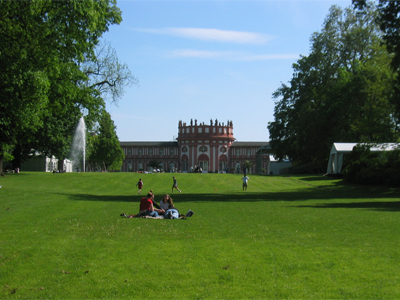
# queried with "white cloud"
point(227, 55)
point(230, 36)
point(200, 53)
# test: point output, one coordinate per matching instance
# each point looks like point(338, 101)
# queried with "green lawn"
point(299, 237)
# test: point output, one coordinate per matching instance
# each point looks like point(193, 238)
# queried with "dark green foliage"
point(373, 168)
point(389, 21)
point(106, 153)
point(154, 164)
point(45, 86)
point(340, 92)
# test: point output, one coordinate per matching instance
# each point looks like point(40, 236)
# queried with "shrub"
point(373, 168)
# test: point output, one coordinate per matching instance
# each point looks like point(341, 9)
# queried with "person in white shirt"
point(245, 180)
point(166, 202)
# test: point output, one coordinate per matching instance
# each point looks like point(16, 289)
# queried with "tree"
point(106, 151)
point(107, 74)
point(339, 92)
point(248, 165)
point(42, 87)
point(389, 21)
point(54, 136)
point(154, 164)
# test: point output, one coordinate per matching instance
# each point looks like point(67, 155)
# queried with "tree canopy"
point(340, 92)
point(106, 153)
point(45, 84)
point(389, 21)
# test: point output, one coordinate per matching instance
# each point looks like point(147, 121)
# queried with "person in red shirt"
point(139, 185)
point(147, 208)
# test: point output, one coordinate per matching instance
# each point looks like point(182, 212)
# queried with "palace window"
point(248, 152)
point(129, 151)
point(238, 152)
point(203, 149)
point(171, 151)
point(151, 152)
point(140, 152)
point(220, 130)
point(161, 151)
point(200, 130)
point(207, 130)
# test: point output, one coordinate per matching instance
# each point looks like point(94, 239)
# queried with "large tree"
point(43, 89)
point(340, 92)
point(389, 21)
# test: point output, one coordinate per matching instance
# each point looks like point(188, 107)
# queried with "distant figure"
point(139, 185)
point(245, 180)
point(175, 185)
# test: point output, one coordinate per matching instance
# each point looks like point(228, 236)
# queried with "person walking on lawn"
point(175, 185)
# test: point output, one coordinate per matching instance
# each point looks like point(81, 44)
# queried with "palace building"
point(211, 147)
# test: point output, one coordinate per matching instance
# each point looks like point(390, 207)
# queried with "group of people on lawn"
point(148, 207)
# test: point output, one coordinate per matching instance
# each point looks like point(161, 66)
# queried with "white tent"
point(335, 163)
point(275, 166)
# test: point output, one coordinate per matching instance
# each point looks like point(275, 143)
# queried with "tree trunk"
point(1, 163)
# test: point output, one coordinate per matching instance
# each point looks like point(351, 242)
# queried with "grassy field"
point(299, 237)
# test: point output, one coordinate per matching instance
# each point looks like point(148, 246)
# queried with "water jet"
point(78, 149)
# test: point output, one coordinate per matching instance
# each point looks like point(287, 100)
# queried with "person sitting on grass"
point(171, 212)
point(147, 208)
point(154, 202)
point(166, 202)
point(168, 206)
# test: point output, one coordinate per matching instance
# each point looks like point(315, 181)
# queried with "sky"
point(208, 59)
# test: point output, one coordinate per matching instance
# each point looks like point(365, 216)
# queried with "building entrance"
point(204, 166)
point(222, 166)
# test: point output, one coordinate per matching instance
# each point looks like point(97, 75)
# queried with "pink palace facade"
point(211, 147)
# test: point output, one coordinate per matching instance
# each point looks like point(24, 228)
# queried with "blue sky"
point(208, 59)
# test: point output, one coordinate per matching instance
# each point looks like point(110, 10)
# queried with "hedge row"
point(373, 168)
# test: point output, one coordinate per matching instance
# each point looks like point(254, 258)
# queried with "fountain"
point(78, 150)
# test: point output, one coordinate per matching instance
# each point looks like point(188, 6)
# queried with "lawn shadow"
point(288, 196)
